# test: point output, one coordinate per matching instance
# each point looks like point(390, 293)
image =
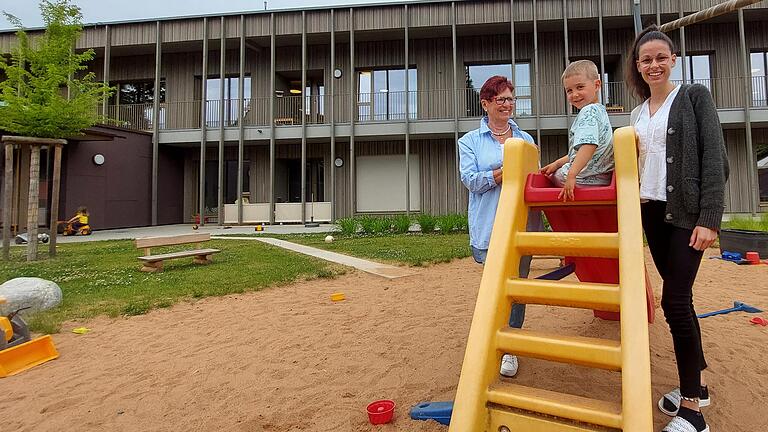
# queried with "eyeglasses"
point(661, 60)
point(502, 100)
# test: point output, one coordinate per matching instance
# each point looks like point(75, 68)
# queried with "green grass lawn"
point(414, 249)
point(103, 278)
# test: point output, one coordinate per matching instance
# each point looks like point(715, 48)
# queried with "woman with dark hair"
point(481, 155)
point(683, 169)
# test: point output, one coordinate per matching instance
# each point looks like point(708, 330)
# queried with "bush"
point(382, 225)
point(348, 226)
point(401, 224)
point(427, 223)
point(452, 222)
point(368, 224)
point(748, 223)
point(462, 222)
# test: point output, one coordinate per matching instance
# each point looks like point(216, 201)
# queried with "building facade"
point(298, 115)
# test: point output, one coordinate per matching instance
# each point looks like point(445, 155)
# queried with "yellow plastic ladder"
point(482, 402)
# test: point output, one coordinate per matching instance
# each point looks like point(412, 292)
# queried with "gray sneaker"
point(508, 365)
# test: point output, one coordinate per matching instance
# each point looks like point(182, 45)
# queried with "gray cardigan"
point(697, 165)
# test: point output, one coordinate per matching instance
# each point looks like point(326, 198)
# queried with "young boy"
point(589, 161)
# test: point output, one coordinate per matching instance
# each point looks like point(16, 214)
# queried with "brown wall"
point(118, 193)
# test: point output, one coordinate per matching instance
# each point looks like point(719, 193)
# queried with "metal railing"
point(759, 93)
point(390, 106)
point(133, 116)
point(386, 105)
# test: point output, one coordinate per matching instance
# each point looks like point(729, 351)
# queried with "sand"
point(289, 359)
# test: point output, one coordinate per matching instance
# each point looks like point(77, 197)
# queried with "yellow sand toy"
point(482, 402)
point(18, 351)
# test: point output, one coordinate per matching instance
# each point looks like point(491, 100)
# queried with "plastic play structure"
point(18, 351)
point(600, 236)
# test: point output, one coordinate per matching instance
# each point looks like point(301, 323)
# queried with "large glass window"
point(382, 94)
point(136, 92)
point(477, 75)
point(131, 104)
point(759, 63)
point(230, 182)
point(230, 88)
point(697, 70)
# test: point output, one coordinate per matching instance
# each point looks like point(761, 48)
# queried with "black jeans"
point(678, 264)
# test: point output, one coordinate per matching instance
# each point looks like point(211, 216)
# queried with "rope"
point(706, 14)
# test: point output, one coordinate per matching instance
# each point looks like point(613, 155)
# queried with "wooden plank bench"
point(154, 263)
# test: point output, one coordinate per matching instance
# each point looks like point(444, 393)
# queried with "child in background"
point(589, 161)
point(80, 219)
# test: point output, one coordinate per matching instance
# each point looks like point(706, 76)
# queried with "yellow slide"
point(482, 402)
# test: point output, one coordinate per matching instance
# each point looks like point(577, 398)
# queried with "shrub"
point(462, 222)
point(401, 224)
point(368, 224)
point(382, 225)
point(427, 223)
point(347, 225)
point(748, 223)
point(452, 222)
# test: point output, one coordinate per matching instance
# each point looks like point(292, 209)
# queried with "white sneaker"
point(508, 365)
point(679, 424)
point(669, 404)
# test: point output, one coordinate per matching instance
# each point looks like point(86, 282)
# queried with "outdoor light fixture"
point(338, 162)
point(337, 73)
point(98, 159)
point(295, 91)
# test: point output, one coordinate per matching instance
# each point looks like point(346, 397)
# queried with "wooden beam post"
point(55, 200)
point(33, 204)
point(7, 201)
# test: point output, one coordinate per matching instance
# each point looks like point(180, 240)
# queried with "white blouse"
point(652, 131)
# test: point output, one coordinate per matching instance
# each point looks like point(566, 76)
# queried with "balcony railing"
point(391, 106)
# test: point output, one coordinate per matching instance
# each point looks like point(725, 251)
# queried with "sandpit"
point(290, 359)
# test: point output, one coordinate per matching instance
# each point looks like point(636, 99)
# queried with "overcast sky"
point(120, 10)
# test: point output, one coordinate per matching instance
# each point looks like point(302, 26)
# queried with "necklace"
point(503, 132)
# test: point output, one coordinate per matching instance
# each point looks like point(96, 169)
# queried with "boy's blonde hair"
point(581, 67)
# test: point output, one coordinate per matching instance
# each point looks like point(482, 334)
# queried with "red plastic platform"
point(595, 217)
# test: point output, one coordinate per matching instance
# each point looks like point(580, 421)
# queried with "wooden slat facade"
point(483, 38)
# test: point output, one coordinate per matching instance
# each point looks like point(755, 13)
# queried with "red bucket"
point(381, 411)
point(753, 257)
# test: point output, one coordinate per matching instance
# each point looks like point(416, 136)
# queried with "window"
point(477, 75)
point(759, 79)
point(697, 70)
point(314, 102)
point(288, 180)
point(131, 105)
point(382, 94)
point(230, 182)
point(231, 95)
point(137, 92)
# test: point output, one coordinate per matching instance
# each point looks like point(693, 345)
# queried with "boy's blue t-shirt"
point(592, 126)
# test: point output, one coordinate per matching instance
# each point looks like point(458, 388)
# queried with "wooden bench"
point(154, 263)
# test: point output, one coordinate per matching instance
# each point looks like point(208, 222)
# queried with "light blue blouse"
point(479, 155)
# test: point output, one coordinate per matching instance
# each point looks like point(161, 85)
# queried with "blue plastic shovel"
point(737, 306)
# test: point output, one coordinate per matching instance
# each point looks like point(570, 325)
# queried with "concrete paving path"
point(170, 230)
point(379, 269)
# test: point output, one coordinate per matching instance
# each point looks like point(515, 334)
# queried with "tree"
point(46, 93)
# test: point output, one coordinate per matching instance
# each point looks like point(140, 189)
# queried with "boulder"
point(35, 293)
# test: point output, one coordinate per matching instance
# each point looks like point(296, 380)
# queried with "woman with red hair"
point(481, 156)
